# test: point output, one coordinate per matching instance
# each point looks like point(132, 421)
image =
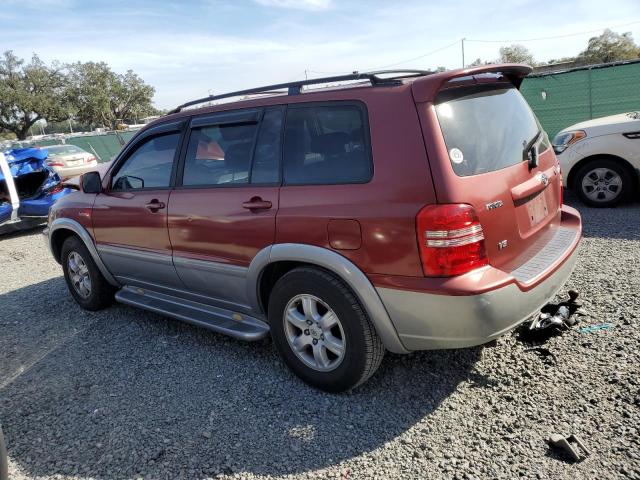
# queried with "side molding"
point(75, 227)
point(339, 265)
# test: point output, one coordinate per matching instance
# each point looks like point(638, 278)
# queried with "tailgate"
point(491, 153)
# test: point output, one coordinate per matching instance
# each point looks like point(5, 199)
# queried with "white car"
point(600, 158)
point(70, 161)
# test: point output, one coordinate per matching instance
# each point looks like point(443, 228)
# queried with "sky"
point(191, 48)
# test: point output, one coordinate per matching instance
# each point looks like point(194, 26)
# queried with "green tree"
point(516, 54)
point(610, 47)
point(103, 97)
point(30, 92)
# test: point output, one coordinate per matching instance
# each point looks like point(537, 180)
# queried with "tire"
point(610, 174)
point(4, 462)
point(94, 294)
point(321, 364)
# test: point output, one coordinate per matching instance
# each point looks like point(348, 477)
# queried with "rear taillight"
point(56, 188)
point(451, 240)
point(55, 164)
point(89, 159)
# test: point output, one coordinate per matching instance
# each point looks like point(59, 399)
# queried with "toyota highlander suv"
point(395, 211)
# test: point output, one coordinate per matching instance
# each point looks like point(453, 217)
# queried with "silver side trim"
point(211, 267)
point(80, 231)
point(339, 265)
point(131, 253)
point(427, 321)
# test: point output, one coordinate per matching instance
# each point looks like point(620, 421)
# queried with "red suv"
point(401, 211)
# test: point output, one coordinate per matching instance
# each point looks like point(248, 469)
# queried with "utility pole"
point(462, 43)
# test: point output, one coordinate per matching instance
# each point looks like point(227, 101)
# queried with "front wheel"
point(602, 182)
point(321, 330)
point(86, 284)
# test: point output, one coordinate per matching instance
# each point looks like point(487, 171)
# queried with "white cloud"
point(299, 4)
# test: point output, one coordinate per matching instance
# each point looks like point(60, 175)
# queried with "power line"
point(554, 36)
point(414, 58)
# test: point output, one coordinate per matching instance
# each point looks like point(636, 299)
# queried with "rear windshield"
point(55, 151)
point(486, 128)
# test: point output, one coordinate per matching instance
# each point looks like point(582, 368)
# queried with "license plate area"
point(537, 209)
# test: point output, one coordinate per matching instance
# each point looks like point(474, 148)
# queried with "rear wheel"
point(321, 330)
point(602, 182)
point(86, 284)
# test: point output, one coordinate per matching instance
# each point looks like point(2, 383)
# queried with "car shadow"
point(123, 392)
point(603, 223)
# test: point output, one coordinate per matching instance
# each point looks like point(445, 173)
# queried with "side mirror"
point(90, 182)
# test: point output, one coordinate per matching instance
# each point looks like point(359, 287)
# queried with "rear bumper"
point(428, 320)
point(69, 172)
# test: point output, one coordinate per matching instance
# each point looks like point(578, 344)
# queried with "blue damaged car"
point(28, 187)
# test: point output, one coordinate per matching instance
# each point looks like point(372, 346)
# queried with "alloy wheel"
point(314, 333)
point(79, 274)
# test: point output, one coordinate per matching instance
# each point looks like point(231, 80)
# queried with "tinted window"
point(326, 145)
point(267, 156)
point(149, 165)
point(486, 128)
point(219, 154)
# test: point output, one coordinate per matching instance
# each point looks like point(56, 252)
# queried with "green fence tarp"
point(105, 146)
point(562, 99)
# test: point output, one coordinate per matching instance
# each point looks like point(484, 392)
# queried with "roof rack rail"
point(294, 88)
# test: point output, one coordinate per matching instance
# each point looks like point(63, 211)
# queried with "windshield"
point(59, 150)
point(486, 127)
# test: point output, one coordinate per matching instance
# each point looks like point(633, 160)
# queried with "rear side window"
point(219, 154)
point(149, 166)
point(326, 144)
point(486, 128)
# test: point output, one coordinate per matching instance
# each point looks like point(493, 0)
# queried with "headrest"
point(330, 143)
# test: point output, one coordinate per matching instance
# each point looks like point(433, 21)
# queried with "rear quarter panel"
point(385, 207)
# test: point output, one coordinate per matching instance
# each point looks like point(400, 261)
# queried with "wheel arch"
point(571, 177)
point(63, 228)
point(273, 262)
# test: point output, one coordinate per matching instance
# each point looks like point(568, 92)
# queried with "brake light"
point(90, 159)
point(56, 188)
point(55, 164)
point(451, 240)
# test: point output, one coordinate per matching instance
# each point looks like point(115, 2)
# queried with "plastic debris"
point(569, 444)
point(596, 328)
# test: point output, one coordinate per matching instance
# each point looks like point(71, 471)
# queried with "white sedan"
point(70, 161)
point(600, 158)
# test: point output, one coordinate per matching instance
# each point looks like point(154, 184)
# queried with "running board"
point(219, 320)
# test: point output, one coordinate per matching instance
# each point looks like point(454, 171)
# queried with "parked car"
point(600, 158)
point(28, 187)
point(70, 161)
point(407, 211)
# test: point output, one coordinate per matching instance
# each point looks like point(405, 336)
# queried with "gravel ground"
point(128, 394)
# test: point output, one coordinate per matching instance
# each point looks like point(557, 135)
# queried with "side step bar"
point(219, 320)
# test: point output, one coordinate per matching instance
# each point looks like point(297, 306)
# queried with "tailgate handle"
point(533, 185)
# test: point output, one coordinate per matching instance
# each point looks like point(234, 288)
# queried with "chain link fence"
point(564, 98)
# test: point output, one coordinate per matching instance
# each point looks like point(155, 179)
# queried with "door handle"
point(256, 203)
point(154, 205)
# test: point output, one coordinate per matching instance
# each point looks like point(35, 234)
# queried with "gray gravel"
point(127, 394)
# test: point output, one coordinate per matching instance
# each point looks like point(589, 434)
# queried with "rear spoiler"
point(425, 88)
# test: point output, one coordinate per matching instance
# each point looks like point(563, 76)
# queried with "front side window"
point(219, 155)
point(326, 145)
point(149, 166)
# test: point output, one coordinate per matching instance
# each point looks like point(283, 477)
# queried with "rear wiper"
point(529, 153)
